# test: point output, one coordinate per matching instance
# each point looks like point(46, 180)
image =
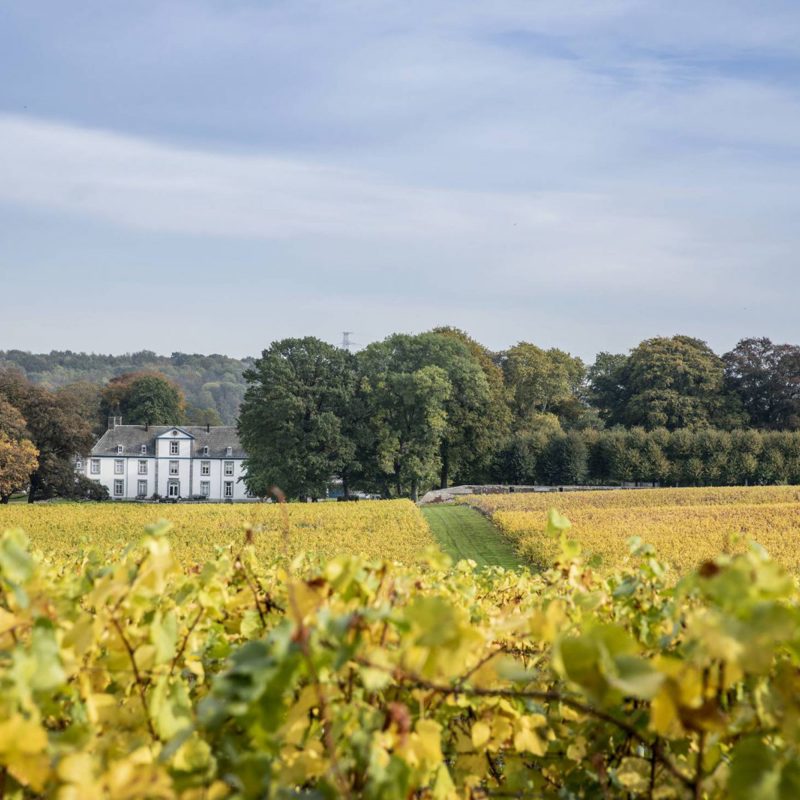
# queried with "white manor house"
point(172, 461)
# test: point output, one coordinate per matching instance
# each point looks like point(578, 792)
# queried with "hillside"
point(213, 381)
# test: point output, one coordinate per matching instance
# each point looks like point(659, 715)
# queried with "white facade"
point(142, 462)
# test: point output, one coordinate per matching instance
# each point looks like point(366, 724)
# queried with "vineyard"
point(250, 678)
point(392, 530)
point(685, 526)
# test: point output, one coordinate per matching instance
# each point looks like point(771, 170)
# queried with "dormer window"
point(144, 449)
point(228, 451)
point(205, 450)
point(119, 449)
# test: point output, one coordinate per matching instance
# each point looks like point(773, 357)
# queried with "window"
point(143, 468)
point(141, 490)
point(79, 464)
point(228, 488)
point(205, 450)
point(119, 488)
point(173, 467)
point(205, 488)
point(119, 449)
point(144, 449)
point(119, 466)
point(95, 467)
point(174, 448)
point(205, 467)
point(229, 467)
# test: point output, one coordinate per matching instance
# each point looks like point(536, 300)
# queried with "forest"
point(209, 383)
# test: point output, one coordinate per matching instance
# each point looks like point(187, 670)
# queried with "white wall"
point(189, 476)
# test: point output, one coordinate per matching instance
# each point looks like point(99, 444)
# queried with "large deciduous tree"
point(766, 379)
point(142, 398)
point(18, 459)
point(490, 419)
point(459, 432)
point(292, 421)
point(676, 382)
point(18, 456)
point(407, 422)
point(57, 430)
point(606, 386)
point(541, 381)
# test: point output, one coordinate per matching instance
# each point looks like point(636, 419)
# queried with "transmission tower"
point(346, 341)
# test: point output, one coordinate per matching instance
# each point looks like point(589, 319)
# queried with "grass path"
point(463, 532)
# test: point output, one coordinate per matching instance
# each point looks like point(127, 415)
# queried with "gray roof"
point(218, 438)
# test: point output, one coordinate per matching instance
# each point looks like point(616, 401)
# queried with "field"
point(685, 526)
point(394, 529)
point(145, 676)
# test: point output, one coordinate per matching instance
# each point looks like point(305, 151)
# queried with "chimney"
point(113, 422)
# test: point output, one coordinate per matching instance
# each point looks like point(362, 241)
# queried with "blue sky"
point(210, 176)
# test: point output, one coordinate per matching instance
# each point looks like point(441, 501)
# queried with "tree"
point(540, 381)
point(12, 423)
point(85, 399)
point(292, 419)
point(142, 398)
point(18, 459)
point(606, 388)
point(766, 379)
point(202, 416)
point(408, 422)
point(675, 383)
point(466, 441)
point(489, 422)
point(56, 430)
point(565, 459)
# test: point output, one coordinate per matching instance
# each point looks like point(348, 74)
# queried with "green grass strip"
point(464, 533)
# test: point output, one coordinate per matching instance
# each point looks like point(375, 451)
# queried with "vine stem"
point(185, 642)
point(544, 696)
point(140, 684)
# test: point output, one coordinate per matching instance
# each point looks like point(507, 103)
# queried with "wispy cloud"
point(631, 161)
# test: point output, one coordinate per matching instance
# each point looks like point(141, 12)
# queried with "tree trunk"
point(445, 465)
point(345, 487)
point(415, 490)
point(32, 487)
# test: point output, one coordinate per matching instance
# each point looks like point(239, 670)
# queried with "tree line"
point(419, 411)
point(43, 431)
point(414, 412)
point(212, 385)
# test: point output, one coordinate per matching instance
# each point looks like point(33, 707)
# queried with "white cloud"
point(539, 238)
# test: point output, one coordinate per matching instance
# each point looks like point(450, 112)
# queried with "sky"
point(210, 176)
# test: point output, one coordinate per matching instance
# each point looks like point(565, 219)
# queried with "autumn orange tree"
point(18, 456)
point(18, 459)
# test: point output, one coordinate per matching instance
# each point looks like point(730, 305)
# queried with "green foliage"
point(764, 377)
point(213, 381)
point(352, 678)
point(428, 398)
point(55, 428)
point(539, 381)
point(142, 398)
point(291, 422)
